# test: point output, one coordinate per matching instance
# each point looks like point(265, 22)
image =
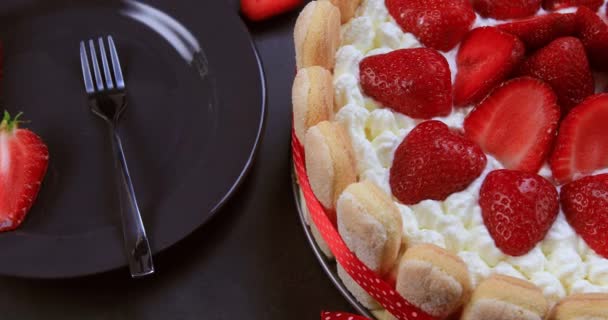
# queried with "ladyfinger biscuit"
point(589, 306)
point(313, 98)
point(506, 298)
point(317, 35)
point(330, 161)
point(370, 224)
point(434, 280)
point(347, 8)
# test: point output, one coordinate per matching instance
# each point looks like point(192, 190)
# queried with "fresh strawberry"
point(516, 123)
point(582, 143)
point(415, 82)
point(433, 162)
point(506, 9)
point(561, 4)
point(585, 203)
point(23, 162)
point(485, 58)
point(537, 32)
point(593, 32)
point(257, 10)
point(564, 66)
point(439, 24)
point(518, 208)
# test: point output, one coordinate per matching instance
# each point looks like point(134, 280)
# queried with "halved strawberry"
point(585, 204)
point(415, 82)
point(485, 58)
point(582, 143)
point(593, 32)
point(561, 4)
point(433, 162)
point(518, 208)
point(516, 123)
point(563, 64)
point(506, 9)
point(23, 162)
point(537, 32)
point(257, 10)
point(438, 24)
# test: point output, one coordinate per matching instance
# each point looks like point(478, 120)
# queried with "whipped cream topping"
point(562, 264)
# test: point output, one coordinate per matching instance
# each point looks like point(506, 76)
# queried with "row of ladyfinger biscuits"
point(429, 277)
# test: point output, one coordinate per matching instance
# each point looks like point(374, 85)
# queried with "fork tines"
point(112, 81)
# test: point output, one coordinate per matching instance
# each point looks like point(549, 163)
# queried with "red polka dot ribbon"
point(375, 286)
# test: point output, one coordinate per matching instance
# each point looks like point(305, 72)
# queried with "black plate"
point(190, 133)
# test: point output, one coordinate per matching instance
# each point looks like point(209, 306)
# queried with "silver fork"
point(108, 101)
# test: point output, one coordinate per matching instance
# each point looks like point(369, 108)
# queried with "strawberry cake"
point(461, 149)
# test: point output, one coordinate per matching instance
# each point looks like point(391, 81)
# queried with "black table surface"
point(251, 261)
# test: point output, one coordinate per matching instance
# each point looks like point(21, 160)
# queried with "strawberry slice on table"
point(582, 143)
point(433, 162)
point(564, 66)
point(561, 4)
point(415, 82)
point(485, 58)
point(585, 204)
point(593, 32)
point(506, 9)
point(516, 124)
point(537, 32)
point(23, 161)
point(439, 24)
point(518, 208)
point(257, 10)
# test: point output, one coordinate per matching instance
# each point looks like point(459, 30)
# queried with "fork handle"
point(136, 242)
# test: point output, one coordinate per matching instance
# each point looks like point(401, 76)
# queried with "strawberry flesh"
point(518, 209)
point(585, 204)
point(564, 66)
point(561, 4)
point(415, 82)
point(485, 58)
point(23, 163)
point(438, 24)
point(257, 10)
point(431, 148)
point(593, 32)
point(537, 32)
point(582, 143)
point(506, 9)
point(516, 123)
